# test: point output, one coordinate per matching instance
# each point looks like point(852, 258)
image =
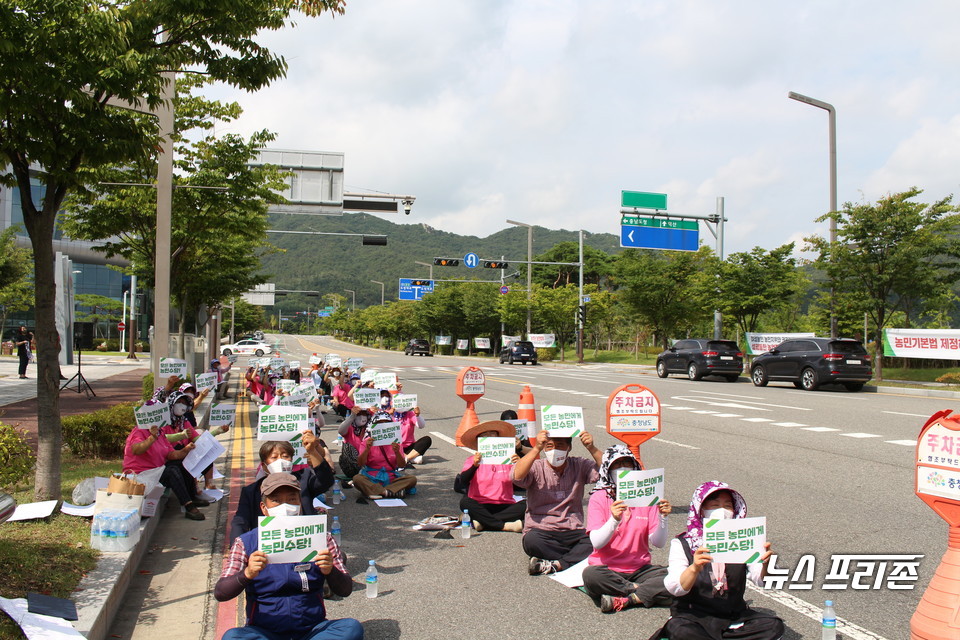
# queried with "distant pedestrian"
point(24, 342)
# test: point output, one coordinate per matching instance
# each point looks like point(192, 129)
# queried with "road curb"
point(99, 595)
point(909, 391)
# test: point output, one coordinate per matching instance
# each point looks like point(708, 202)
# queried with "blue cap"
point(829, 603)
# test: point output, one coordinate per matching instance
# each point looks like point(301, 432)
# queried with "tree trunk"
point(878, 357)
point(49, 430)
point(182, 330)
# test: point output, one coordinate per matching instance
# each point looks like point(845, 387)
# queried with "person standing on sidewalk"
point(24, 341)
point(285, 599)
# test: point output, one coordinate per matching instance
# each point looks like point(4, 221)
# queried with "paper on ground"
point(212, 495)
point(33, 510)
point(74, 510)
point(391, 502)
point(572, 577)
point(35, 626)
point(320, 504)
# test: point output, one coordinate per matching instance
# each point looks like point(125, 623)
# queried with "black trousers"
point(759, 627)
point(493, 516)
point(646, 582)
point(569, 546)
point(24, 360)
point(420, 445)
point(178, 480)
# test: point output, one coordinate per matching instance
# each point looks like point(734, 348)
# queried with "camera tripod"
point(82, 385)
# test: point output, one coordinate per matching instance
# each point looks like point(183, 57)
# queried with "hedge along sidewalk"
point(123, 384)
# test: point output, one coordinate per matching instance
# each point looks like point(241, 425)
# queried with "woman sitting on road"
point(710, 604)
point(380, 465)
point(489, 487)
point(619, 574)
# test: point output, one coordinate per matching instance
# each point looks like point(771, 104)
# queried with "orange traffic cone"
point(527, 409)
point(938, 615)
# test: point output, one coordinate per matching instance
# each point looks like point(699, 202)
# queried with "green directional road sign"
point(658, 223)
point(643, 200)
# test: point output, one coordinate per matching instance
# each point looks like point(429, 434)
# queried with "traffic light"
point(582, 315)
point(446, 262)
point(421, 283)
point(493, 264)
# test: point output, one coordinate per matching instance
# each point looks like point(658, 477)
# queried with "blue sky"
point(543, 111)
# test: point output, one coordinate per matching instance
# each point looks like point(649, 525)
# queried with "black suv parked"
point(811, 362)
point(416, 346)
point(521, 351)
point(698, 358)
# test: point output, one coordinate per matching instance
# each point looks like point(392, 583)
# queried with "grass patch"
point(52, 556)
point(916, 375)
point(619, 357)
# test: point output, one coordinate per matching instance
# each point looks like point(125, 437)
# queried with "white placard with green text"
point(314, 360)
point(366, 398)
point(735, 540)
point(205, 381)
point(292, 538)
point(386, 380)
point(353, 364)
point(285, 384)
point(561, 421)
point(333, 360)
point(495, 450)
point(640, 488)
point(404, 401)
point(152, 415)
point(222, 414)
point(524, 428)
point(172, 367)
point(282, 423)
point(368, 376)
point(384, 433)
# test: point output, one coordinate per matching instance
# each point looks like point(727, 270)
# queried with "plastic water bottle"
point(335, 528)
point(123, 531)
point(96, 537)
point(465, 525)
point(134, 528)
point(373, 580)
point(107, 532)
point(828, 621)
point(337, 493)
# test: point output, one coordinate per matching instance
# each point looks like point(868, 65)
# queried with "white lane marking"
point(819, 429)
point(713, 403)
point(681, 408)
point(597, 395)
point(858, 435)
point(678, 444)
point(509, 404)
point(705, 412)
point(728, 415)
point(905, 443)
point(664, 404)
point(508, 376)
point(846, 396)
point(729, 395)
point(900, 413)
point(757, 420)
point(789, 424)
point(446, 438)
point(421, 382)
point(421, 369)
point(746, 403)
point(846, 628)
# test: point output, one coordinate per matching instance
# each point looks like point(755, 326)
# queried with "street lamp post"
point(529, 266)
point(426, 264)
point(354, 294)
point(833, 185)
point(381, 290)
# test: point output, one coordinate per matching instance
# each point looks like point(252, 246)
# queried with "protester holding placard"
point(223, 375)
point(285, 600)
point(276, 456)
point(710, 600)
point(147, 449)
point(553, 530)
point(410, 421)
point(352, 430)
point(380, 466)
point(489, 487)
point(180, 431)
point(341, 390)
point(619, 574)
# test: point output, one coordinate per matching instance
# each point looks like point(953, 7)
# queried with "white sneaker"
point(417, 460)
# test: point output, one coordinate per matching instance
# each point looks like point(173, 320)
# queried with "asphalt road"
point(831, 470)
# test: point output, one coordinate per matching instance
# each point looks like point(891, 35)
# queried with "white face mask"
point(718, 514)
point(280, 466)
point(179, 409)
point(284, 510)
point(556, 457)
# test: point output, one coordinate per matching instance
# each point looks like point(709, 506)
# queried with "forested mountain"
point(330, 264)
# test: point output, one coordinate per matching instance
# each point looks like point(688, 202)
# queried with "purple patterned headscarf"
point(695, 521)
point(607, 482)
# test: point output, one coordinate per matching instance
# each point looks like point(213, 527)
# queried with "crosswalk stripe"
point(859, 435)
point(819, 429)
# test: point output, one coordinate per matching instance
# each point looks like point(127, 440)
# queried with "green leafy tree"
point(597, 265)
point(668, 291)
point(246, 317)
point(555, 310)
point(16, 267)
point(65, 61)
point(753, 282)
point(512, 308)
point(98, 309)
point(890, 252)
